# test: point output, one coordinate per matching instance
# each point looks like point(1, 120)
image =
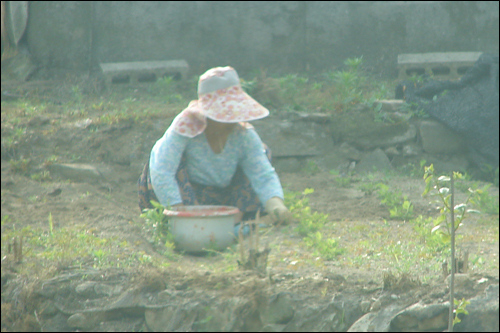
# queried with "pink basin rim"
point(199, 211)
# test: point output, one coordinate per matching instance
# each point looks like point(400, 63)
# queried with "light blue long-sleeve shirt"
point(243, 148)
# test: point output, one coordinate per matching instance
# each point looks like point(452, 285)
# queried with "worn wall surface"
point(283, 37)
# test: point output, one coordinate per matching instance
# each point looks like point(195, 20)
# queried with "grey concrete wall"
point(283, 37)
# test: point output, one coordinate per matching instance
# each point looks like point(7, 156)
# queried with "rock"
point(349, 152)
point(279, 310)
point(47, 309)
point(392, 151)
point(386, 141)
point(410, 150)
point(78, 320)
point(86, 320)
point(38, 121)
point(83, 123)
point(376, 321)
point(105, 290)
point(408, 136)
point(376, 306)
point(86, 289)
point(362, 131)
point(294, 137)
point(164, 319)
point(446, 163)
point(364, 324)
point(483, 313)
point(365, 306)
point(47, 291)
point(131, 300)
point(273, 328)
point(439, 139)
point(320, 118)
point(165, 295)
point(421, 318)
point(376, 160)
point(76, 172)
point(462, 282)
point(389, 104)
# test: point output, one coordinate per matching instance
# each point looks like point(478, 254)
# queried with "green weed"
point(439, 185)
point(369, 188)
point(403, 211)
point(460, 308)
point(399, 206)
point(328, 249)
point(158, 222)
point(484, 202)
point(42, 176)
point(311, 225)
point(311, 168)
point(433, 242)
point(20, 166)
point(343, 181)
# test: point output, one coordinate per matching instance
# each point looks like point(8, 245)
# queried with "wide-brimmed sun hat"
point(220, 98)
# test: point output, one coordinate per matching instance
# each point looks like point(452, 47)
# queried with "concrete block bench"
point(446, 66)
point(143, 71)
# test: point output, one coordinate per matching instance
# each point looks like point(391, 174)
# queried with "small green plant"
point(460, 307)
point(402, 212)
point(20, 166)
point(441, 224)
point(423, 227)
point(77, 94)
point(399, 206)
point(311, 225)
point(343, 181)
point(354, 64)
point(387, 197)
point(369, 188)
point(50, 160)
point(327, 249)
point(447, 229)
point(311, 168)
point(158, 222)
point(51, 225)
point(484, 202)
point(41, 176)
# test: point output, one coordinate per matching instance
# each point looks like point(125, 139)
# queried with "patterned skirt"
point(239, 193)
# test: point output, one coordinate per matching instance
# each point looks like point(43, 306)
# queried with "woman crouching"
point(211, 155)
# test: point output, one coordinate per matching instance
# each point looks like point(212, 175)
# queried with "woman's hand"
point(277, 210)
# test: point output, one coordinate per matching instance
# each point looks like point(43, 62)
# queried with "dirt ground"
point(108, 209)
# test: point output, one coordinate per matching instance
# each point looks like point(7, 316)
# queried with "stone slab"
point(441, 65)
point(439, 139)
point(76, 172)
point(143, 71)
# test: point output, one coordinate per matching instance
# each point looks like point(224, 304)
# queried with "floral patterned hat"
point(220, 98)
